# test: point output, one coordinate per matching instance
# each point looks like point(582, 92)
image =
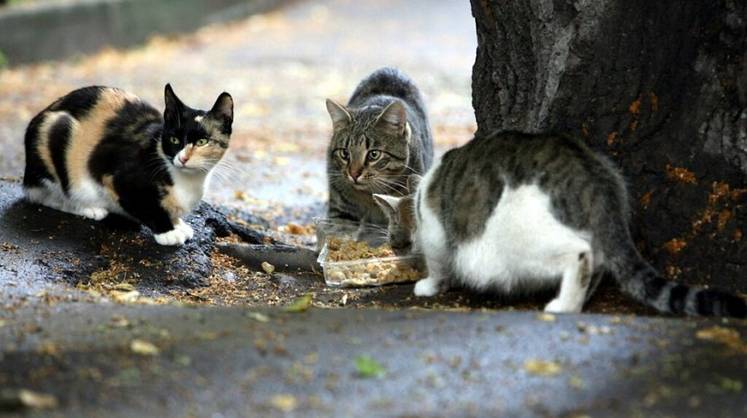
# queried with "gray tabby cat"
point(380, 138)
point(515, 212)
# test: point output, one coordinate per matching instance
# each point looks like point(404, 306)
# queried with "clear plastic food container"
point(369, 271)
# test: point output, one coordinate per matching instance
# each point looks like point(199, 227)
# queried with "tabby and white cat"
point(100, 149)
point(514, 213)
point(380, 138)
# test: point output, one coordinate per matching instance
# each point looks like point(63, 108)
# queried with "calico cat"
point(100, 149)
point(515, 212)
point(380, 138)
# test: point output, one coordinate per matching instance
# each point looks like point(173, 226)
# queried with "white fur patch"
point(522, 241)
point(188, 188)
point(523, 247)
point(92, 206)
point(176, 236)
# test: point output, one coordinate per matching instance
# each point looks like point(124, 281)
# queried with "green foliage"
point(367, 367)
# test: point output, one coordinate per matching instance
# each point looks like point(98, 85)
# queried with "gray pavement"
point(236, 362)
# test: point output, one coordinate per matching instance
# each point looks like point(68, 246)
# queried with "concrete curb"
point(59, 30)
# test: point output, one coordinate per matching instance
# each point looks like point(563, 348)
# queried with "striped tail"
point(641, 281)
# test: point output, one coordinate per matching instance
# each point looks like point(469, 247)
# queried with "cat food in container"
point(354, 256)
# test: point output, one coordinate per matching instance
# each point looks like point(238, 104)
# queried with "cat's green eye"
point(344, 154)
point(201, 142)
point(174, 140)
point(374, 155)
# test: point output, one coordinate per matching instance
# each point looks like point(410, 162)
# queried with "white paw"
point(96, 214)
point(426, 287)
point(174, 237)
point(557, 306)
point(184, 227)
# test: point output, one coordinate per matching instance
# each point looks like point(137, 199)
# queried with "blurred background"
point(279, 60)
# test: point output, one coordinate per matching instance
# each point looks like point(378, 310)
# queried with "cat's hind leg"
point(51, 195)
point(574, 285)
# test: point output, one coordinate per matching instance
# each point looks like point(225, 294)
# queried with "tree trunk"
point(660, 86)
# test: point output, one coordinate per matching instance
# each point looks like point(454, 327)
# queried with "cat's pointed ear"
point(393, 118)
point(223, 108)
point(412, 182)
point(173, 107)
point(389, 204)
point(340, 116)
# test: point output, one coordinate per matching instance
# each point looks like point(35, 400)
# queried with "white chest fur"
point(188, 189)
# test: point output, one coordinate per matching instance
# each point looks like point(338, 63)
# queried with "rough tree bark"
point(660, 86)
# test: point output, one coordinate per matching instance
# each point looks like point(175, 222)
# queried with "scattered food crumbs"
point(284, 402)
point(267, 267)
point(295, 229)
point(542, 367)
point(301, 304)
point(143, 348)
point(366, 367)
point(544, 316)
point(14, 399)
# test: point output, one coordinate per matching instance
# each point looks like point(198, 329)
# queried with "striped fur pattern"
point(99, 150)
point(380, 138)
point(517, 213)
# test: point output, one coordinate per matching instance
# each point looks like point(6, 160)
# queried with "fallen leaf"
point(125, 287)
point(544, 316)
point(11, 399)
point(183, 360)
point(119, 321)
point(576, 382)
point(730, 385)
point(367, 367)
point(258, 316)
point(267, 267)
point(542, 367)
point(126, 297)
point(284, 402)
point(301, 304)
point(727, 336)
point(143, 348)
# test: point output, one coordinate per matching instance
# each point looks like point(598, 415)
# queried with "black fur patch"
point(654, 286)
point(59, 139)
point(678, 298)
point(35, 170)
point(716, 302)
point(128, 144)
point(79, 102)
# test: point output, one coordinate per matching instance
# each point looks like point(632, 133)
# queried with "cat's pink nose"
point(355, 174)
point(183, 159)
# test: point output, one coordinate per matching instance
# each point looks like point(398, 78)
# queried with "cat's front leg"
point(178, 235)
point(574, 285)
point(435, 282)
